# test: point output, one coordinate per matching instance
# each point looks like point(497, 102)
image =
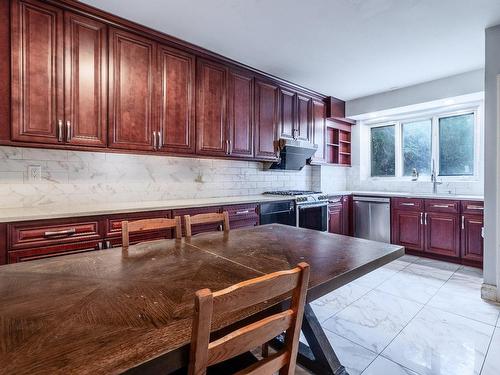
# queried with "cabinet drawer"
point(442, 205)
point(408, 204)
point(37, 234)
point(241, 212)
point(52, 251)
point(473, 207)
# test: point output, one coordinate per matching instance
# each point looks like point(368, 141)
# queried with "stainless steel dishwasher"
point(372, 218)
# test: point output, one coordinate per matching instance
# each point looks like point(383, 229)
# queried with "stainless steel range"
point(311, 208)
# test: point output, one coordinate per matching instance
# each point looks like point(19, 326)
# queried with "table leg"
point(319, 357)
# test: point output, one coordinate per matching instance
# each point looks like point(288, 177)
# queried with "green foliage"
point(417, 144)
point(383, 151)
point(456, 145)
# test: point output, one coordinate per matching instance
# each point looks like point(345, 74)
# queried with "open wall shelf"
point(338, 145)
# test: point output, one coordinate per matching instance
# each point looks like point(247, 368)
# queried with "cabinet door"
point(471, 237)
point(176, 100)
point(240, 114)
point(318, 130)
point(211, 106)
point(347, 215)
point(287, 113)
point(335, 219)
point(85, 81)
point(304, 118)
point(37, 72)
point(131, 73)
point(407, 229)
point(266, 112)
point(442, 234)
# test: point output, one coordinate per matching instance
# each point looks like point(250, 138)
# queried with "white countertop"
point(90, 209)
point(408, 195)
point(8, 215)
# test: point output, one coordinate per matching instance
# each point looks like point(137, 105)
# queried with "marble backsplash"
point(76, 177)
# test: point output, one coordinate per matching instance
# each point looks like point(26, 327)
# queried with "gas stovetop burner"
point(302, 197)
point(292, 192)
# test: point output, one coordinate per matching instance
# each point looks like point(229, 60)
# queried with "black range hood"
point(294, 154)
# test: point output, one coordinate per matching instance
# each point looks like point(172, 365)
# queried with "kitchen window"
point(401, 148)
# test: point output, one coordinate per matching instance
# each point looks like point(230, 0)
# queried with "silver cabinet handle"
point(421, 218)
point(407, 204)
point(154, 140)
point(160, 140)
point(480, 208)
point(227, 147)
point(230, 147)
point(68, 131)
point(463, 222)
point(242, 212)
point(425, 218)
point(441, 206)
point(60, 131)
point(65, 232)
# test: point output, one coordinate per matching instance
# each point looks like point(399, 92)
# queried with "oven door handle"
point(312, 205)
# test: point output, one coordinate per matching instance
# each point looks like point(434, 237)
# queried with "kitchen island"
point(112, 311)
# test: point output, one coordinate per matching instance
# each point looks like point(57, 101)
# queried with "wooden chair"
point(245, 294)
point(149, 224)
point(206, 219)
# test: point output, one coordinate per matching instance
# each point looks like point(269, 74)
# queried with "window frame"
point(434, 117)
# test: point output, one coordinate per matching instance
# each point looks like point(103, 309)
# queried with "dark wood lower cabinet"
point(407, 229)
point(471, 243)
point(339, 215)
point(442, 234)
point(437, 229)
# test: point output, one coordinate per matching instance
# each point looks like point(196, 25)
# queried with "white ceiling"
point(345, 48)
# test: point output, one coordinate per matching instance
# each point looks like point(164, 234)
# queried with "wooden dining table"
point(115, 311)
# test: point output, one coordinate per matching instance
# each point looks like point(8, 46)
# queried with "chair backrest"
point(149, 224)
point(208, 218)
point(239, 296)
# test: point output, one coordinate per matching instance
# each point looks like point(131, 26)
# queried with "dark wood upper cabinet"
point(287, 113)
point(131, 93)
point(442, 234)
point(318, 130)
point(472, 242)
point(86, 81)
point(241, 112)
point(266, 120)
point(211, 108)
point(304, 118)
point(37, 72)
point(176, 87)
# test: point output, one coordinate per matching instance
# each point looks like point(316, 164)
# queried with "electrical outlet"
point(34, 173)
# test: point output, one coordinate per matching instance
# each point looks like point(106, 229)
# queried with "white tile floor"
point(413, 316)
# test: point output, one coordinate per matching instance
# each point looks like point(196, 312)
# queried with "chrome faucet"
point(434, 180)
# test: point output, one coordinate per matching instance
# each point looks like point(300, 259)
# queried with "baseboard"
point(489, 292)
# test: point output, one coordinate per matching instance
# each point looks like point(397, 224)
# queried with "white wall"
point(78, 177)
point(457, 85)
point(492, 162)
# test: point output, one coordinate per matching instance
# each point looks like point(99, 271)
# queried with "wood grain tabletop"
point(109, 311)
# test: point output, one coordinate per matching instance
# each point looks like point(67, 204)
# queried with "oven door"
point(313, 216)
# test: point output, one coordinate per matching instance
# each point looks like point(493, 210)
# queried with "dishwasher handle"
point(371, 199)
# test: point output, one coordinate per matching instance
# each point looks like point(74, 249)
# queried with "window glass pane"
point(417, 141)
point(456, 145)
point(383, 151)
